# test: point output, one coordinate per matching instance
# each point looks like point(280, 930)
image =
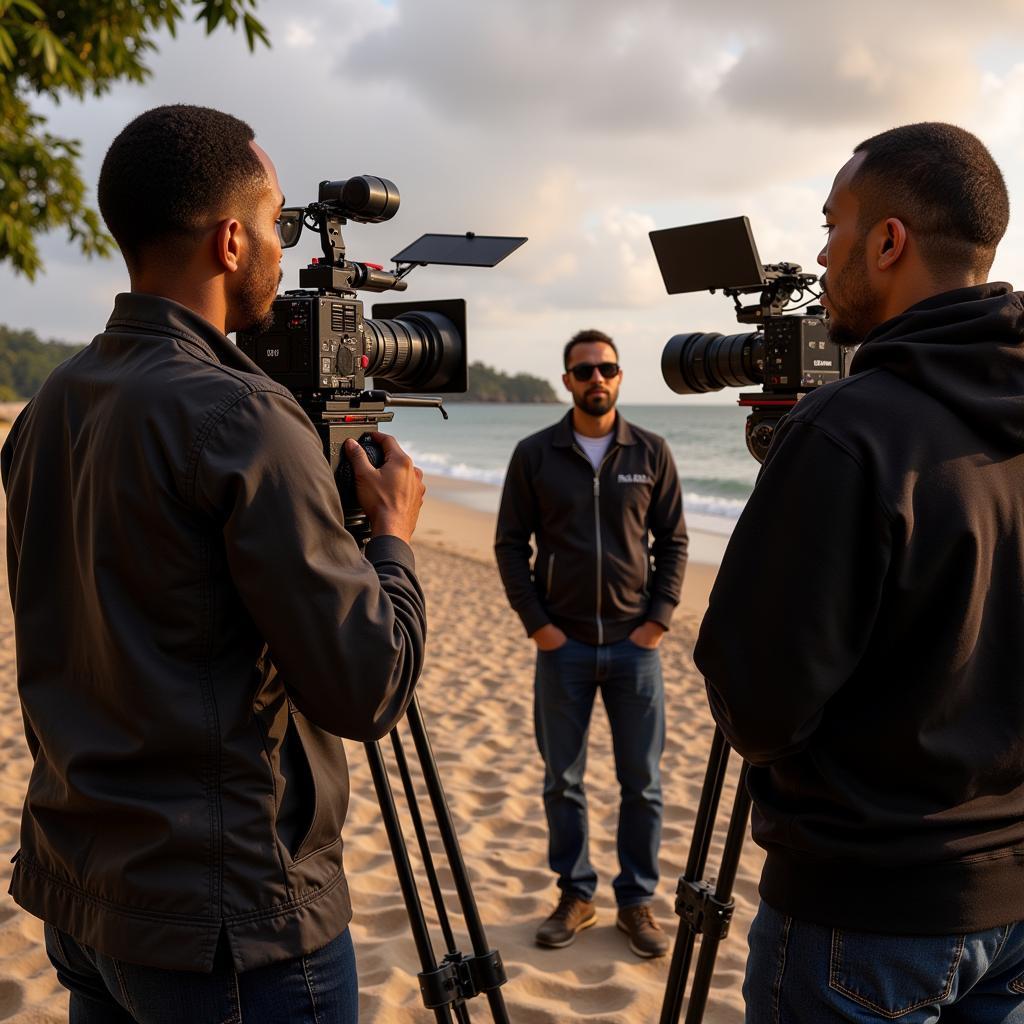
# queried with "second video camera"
point(790, 354)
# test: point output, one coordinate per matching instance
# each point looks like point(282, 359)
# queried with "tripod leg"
point(703, 830)
point(723, 893)
point(446, 826)
point(459, 1007)
point(406, 879)
point(421, 838)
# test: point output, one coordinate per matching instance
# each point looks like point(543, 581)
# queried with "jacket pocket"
point(310, 781)
point(893, 975)
point(329, 785)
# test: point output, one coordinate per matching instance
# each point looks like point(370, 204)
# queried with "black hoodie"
point(864, 643)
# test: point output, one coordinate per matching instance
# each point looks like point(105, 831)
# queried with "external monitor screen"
point(716, 254)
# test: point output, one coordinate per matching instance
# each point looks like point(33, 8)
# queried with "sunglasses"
point(584, 371)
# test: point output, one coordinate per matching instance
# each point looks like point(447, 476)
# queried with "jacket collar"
point(563, 437)
point(141, 312)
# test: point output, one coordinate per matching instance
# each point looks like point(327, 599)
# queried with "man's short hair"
point(172, 172)
point(586, 338)
point(942, 182)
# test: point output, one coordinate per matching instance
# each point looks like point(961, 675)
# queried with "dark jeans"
point(320, 988)
point(800, 973)
point(629, 678)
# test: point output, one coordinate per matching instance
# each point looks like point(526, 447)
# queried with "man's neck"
point(592, 426)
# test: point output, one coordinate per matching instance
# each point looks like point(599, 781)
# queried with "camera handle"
point(704, 909)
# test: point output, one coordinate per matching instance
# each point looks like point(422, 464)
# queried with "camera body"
point(316, 342)
point(798, 353)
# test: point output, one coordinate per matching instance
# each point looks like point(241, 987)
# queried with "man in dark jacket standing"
point(864, 643)
point(195, 628)
point(590, 490)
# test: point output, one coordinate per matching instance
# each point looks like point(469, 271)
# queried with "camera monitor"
point(468, 250)
point(715, 254)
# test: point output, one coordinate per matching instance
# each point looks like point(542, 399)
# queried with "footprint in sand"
point(12, 998)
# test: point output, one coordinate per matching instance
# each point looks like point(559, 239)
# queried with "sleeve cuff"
point(660, 611)
point(533, 619)
point(388, 548)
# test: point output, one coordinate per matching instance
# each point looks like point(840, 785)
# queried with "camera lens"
point(416, 351)
point(693, 364)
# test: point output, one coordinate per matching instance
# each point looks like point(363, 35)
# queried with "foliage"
point(25, 362)
point(56, 49)
point(486, 384)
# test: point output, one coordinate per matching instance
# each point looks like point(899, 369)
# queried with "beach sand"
point(476, 696)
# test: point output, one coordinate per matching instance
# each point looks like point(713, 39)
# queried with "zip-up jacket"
point(864, 644)
point(194, 629)
point(597, 574)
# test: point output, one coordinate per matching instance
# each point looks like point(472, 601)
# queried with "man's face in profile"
point(262, 274)
point(597, 394)
point(851, 302)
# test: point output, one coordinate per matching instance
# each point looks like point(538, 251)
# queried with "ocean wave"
point(694, 502)
point(440, 464)
point(711, 505)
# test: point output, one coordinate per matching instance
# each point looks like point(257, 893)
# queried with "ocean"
point(716, 470)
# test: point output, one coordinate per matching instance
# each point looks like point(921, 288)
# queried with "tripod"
point(704, 909)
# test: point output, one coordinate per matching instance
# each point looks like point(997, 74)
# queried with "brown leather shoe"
point(572, 915)
point(646, 938)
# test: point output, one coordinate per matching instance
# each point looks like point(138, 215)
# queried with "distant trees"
point(26, 361)
point(486, 384)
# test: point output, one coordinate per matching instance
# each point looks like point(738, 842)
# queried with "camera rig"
point(323, 350)
point(321, 347)
point(790, 354)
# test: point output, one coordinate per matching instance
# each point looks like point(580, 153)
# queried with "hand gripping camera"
point(322, 348)
point(790, 354)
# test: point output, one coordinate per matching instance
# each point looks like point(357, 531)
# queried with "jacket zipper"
point(597, 531)
point(551, 574)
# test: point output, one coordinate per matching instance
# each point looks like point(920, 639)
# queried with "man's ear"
point(893, 243)
point(565, 382)
point(227, 243)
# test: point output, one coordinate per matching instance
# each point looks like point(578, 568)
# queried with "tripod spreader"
point(462, 977)
point(701, 911)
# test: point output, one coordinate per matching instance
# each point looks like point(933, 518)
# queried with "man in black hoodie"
point(864, 643)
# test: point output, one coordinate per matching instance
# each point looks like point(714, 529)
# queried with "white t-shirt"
point(595, 448)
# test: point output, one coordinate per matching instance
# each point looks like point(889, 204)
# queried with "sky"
point(582, 124)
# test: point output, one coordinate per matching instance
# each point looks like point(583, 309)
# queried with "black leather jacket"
point(174, 533)
point(592, 575)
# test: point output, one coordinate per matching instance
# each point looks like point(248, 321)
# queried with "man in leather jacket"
point(195, 628)
point(591, 490)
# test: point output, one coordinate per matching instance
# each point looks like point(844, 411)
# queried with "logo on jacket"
point(634, 478)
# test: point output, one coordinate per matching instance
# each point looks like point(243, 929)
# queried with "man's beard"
point(258, 288)
point(853, 305)
point(595, 404)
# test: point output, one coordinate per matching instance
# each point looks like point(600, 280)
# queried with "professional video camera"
point(789, 356)
point(323, 350)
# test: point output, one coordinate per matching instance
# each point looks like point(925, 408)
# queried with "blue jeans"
point(320, 988)
point(629, 678)
point(800, 973)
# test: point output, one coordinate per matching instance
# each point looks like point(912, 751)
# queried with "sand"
point(476, 699)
